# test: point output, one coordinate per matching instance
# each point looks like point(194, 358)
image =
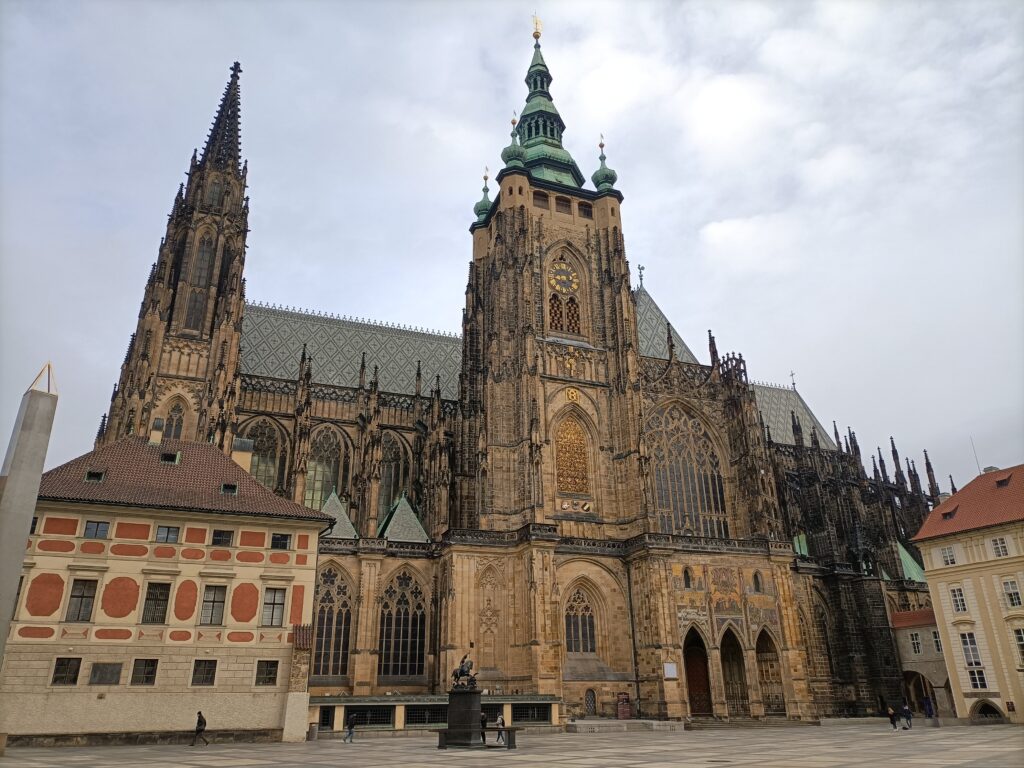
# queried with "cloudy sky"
point(835, 188)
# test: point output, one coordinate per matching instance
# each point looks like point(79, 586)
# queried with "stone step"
point(597, 725)
point(710, 723)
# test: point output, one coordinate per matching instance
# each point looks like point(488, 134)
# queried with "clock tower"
point(549, 368)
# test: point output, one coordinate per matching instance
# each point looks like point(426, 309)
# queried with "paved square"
point(844, 745)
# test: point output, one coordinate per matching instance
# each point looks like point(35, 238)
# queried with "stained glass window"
point(394, 472)
point(204, 263)
point(689, 488)
point(571, 457)
point(174, 421)
point(580, 635)
point(327, 468)
point(333, 604)
point(195, 310)
point(572, 315)
point(264, 453)
point(403, 628)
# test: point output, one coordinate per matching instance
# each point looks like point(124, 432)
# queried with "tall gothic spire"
point(223, 145)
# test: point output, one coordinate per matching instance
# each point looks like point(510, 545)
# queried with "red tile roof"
point(134, 475)
point(923, 617)
point(993, 498)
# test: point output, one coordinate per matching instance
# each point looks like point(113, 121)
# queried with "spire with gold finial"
point(483, 207)
point(604, 178)
point(513, 155)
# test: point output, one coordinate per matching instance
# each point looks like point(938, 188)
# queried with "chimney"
point(156, 434)
point(241, 453)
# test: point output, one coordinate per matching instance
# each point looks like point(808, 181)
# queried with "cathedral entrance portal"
point(698, 682)
point(769, 675)
point(735, 676)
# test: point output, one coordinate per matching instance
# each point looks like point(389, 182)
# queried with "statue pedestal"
point(463, 729)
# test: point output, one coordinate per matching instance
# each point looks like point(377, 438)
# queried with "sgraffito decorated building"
point(565, 491)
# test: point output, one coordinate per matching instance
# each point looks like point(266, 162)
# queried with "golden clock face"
point(563, 278)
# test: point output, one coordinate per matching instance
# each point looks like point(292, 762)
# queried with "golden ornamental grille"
point(571, 459)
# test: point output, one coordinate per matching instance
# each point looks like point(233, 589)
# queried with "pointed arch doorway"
point(698, 681)
point(735, 676)
point(769, 675)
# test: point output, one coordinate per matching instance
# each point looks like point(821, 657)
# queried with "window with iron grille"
point(956, 594)
point(937, 639)
point(83, 595)
point(266, 672)
point(273, 606)
point(426, 714)
point(144, 672)
point(221, 538)
point(333, 606)
point(492, 711)
point(65, 671)
point(970, 647)
point(1012, 592)
point(213, 605)
point(167, 534)
point(96, 529)
point(327, 718)
point(105, 674)
point(204, 672)
point(977, 677)
point(563, 205)
point(531, 713)
point(586, 210)
point(365, 716)
point(403, 628)
point(999, 548)
point(915, 642)
point(948, 556)
point(154, 610)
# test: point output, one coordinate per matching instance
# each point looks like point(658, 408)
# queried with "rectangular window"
point(999, 547)
point(213, 605)
point(144, 672)
point(1018, 636)
point(1012, 592)
point(204, 672)
point(957, 596)
point(977, 677)
point(948, 557)
point(83, 595)
point(17, 597)
point(105, 674)
point(563, 205)
point(96, 529)
point(937, 639)
point(154, 610)
point(32, 528)
point(971, 655)
point(586, 210)
point(222, 538)
point(266, 673)
point(65, 671)
point(167, 534)
point(915, 642)
point(280, 541)
point(273, 606)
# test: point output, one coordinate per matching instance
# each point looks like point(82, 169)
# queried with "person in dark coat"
point(200, 730)
point(483, 724)
point(892, 718)
point(350, 734)
point(908, 716)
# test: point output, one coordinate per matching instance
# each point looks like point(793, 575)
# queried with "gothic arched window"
point(572, 315)
point(204, 263)
point(326, 468)
point(571, 457)
point(402, 647)
point(174, 422)
point(213, 193)
point(394, 472)
point(555, 320)
point(333, 605)
point(264, 453)
point(688, 484)
point(580, 634)
point(687, 579)
point(195, 310)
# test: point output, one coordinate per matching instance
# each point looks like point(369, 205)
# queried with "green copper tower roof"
point(541, 127)
point(604, 178)
point(483, 206)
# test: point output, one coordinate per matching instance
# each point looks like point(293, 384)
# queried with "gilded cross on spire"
point(537, 26)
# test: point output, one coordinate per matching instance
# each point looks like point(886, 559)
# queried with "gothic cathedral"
point(564, 492)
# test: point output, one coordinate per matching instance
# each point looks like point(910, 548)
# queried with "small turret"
point(881, 464)
point(514, 156)
point(604, 178)
point(952, 485)
point(483, 206)
point(798, 432)
point(835, 432)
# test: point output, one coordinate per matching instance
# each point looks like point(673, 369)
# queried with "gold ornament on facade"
point(572, 395)
point(563, 278)
point(571, 460)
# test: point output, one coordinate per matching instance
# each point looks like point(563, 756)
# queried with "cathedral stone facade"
point(565, 492)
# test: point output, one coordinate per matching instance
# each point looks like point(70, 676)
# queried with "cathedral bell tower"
point(550, 414)
point(182, 361)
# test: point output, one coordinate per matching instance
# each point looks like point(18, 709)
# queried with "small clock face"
point(563, 278)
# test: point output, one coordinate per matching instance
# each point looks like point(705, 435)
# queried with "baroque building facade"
point(563, 491)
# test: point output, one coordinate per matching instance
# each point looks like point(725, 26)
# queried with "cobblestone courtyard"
point(845, 745)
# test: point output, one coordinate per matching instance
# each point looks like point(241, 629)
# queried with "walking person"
point(200, 730)
point(500, 723)
point(350, 724)
point(483, 725)
point(892, 718)
point(908, 716)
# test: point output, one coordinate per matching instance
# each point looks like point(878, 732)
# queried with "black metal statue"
point(462, 676)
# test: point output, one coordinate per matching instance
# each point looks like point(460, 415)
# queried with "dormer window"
point(94, 476)
point(170, 458)
point(950, 514)
point(229, 489)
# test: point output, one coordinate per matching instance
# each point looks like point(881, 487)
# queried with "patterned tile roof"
point(401, 523)
point(272, 342)
point(338, 509)
point(135, 474)
point(650, 322)
point(776, 402)
point(994, 498)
